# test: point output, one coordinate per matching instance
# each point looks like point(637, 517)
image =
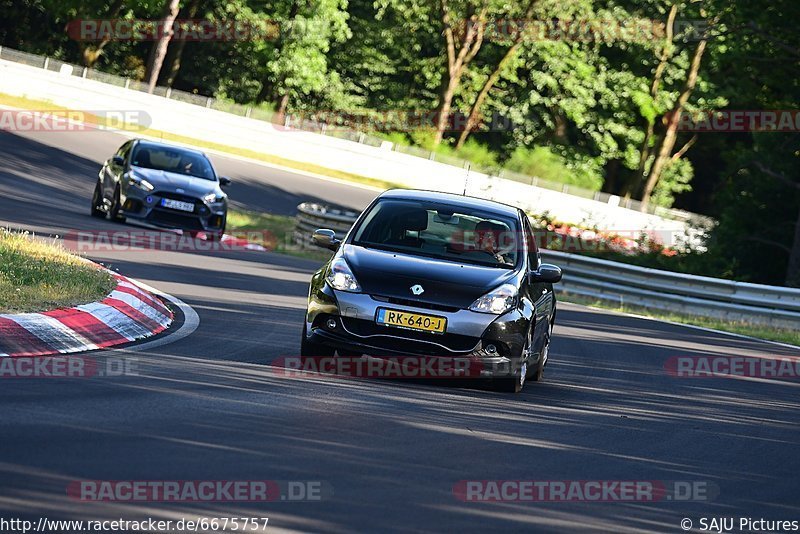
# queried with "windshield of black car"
point(173, 160)
point(442, 231)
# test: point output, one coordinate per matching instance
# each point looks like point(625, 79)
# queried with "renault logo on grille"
point(417, 289)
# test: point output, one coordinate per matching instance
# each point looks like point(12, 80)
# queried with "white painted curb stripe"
point(52, 332)
point(141, 306)
point(113, 318)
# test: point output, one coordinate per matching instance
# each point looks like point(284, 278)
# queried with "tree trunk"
point(159, 49)
point(458, 57)
point(474, 113)
point(277, 90)
point(280, 114)
point(666, 54)
point(172, 62)
point(446, 103)
point(671, 132)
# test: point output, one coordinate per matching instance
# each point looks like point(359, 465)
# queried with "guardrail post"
point(85, 71)
point(46, 62)
point(169, 92)
point(127, 83)
point(248, 111)
point(208, 102)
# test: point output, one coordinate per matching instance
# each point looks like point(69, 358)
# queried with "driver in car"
point(487, 239)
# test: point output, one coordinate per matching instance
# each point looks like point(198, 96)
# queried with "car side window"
point(534, 259)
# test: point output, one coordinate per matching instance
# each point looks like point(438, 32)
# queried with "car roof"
point(166, 145)
point(452, 199)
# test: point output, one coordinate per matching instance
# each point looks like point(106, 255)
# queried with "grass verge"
point(43, 105)
point(275, 232)
point(38, 276)
point(761, 332)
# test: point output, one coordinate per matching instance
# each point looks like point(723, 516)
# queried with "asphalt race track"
point(208, 407)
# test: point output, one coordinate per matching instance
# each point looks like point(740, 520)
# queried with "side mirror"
point(326, 239)
point(224, 181)
point(118, 161)
point(546, 273)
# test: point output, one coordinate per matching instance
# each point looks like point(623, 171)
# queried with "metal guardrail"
point(622, 283)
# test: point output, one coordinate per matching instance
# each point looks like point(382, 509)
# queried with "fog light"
point(331, 324)
point(491, 349)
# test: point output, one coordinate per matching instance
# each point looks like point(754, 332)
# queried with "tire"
point(113, 213)
point(510, 384)
point(515, 383)
point(217, 236)
point(311, 349)
point(538, 374)
point(97, 202)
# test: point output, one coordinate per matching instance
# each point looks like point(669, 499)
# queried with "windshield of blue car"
point(174, 160)
point(441, 231)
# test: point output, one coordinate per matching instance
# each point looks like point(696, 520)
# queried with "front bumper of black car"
point(489, 346)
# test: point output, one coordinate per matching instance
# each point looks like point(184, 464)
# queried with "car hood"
point(390, 274)
point(171, 181)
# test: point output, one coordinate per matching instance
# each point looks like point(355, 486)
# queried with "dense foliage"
point(586, 92)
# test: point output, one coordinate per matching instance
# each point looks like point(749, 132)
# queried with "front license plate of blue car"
point(412, 321)
point(177, 204)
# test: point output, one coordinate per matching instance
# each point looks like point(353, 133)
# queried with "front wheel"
point(537, 375)
point(515, 382)
point(215, 236)
point(311, 349)
point(98, 209)
point(116, 206)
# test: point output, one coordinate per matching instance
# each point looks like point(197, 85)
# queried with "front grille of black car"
point(171, 218)
point(415, 304)
point(411, 340)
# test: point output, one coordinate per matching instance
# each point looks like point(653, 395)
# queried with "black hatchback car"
point(436, 275)
point(163, 185)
